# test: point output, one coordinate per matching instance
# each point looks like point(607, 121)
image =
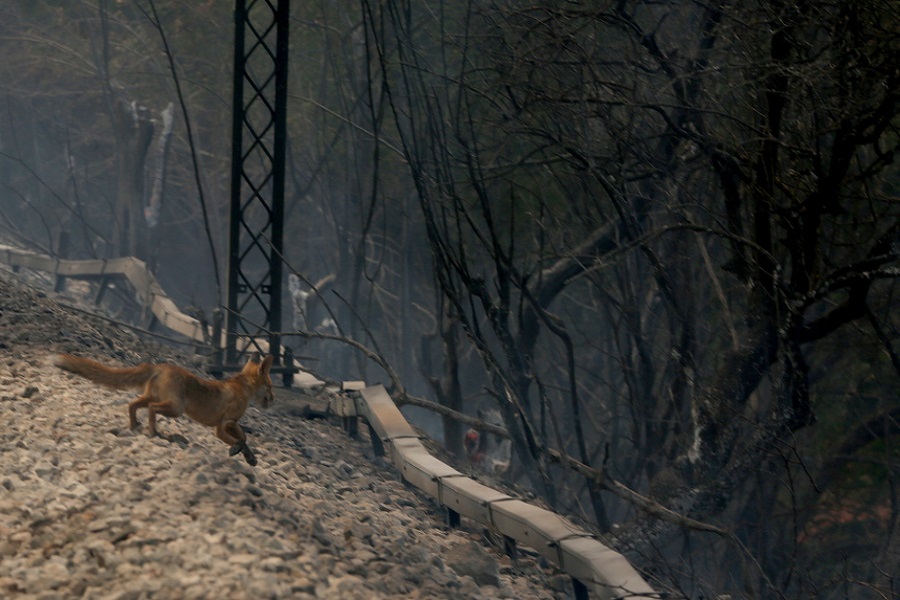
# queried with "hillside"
point(91, 509)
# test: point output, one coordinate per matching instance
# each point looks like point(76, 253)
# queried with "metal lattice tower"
point(257, 177)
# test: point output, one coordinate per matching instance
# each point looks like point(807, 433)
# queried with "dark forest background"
point(657, 240)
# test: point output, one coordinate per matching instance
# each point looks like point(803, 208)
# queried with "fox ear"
point(252, 362)
point(266, 364)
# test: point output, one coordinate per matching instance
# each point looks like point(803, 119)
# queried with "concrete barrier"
point(593, 566)
point(145, 285)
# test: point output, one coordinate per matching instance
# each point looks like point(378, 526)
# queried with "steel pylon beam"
point(257, 178)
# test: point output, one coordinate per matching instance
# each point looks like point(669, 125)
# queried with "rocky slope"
point(90, 509)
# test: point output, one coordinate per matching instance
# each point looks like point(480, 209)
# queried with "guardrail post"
point(101, 291)
point(351, 426)
point(579, 590)
point(201, 345)
point(509, 547)
point(62, 251)
point(287, 378)
point(216, 354)
point(453, 518)
point(377, 444)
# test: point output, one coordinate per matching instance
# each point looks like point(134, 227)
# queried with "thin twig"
point(190, 136)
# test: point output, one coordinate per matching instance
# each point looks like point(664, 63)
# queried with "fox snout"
point(264, 395)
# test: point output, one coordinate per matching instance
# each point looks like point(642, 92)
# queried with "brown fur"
point(172, 391)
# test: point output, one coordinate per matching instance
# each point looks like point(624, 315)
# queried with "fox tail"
point(114, 377)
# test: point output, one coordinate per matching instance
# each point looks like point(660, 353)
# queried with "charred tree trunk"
point(134, 132)
point(154, 204)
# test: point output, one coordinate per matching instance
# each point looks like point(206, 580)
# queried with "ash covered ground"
point(90, 509)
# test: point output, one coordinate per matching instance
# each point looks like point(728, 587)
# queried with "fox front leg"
point(166, 409)
point(231, 433)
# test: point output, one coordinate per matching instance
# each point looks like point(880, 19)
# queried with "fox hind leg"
point(141, 401)
point(166, 409)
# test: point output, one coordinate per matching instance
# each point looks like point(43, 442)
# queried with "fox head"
point(258, 375)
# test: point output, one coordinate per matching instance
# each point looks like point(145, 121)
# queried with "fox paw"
point(118, 432)
point(177, 438)
point(238, 447)
point(244, 449)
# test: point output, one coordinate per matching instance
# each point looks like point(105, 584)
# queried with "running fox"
point(171, 391)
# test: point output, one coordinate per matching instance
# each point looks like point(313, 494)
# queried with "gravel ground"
point(90, 509)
